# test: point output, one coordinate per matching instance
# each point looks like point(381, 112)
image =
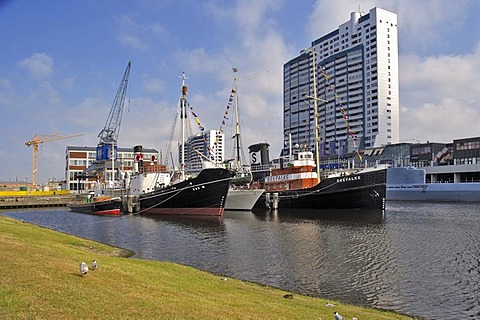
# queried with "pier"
point(25, 202)
point(24, 199)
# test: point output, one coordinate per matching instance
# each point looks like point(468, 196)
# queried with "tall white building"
point(204, 147)
point(356, 71)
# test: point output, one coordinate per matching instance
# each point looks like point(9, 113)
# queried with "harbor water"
point(421, 259)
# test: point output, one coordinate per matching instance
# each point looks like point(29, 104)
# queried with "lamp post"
point(315, 109)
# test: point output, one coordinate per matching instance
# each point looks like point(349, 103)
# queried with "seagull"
point(94, 264)
point(337, 316)
point(83, 268)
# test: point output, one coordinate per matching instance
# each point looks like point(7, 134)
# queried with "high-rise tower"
point(356, 69)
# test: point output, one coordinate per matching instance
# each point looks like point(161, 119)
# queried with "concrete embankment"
point(22, 201)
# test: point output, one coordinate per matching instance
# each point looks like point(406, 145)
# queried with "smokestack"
point(138, 158)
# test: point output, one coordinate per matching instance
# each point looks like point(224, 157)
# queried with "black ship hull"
point(203, 195)
point(365, 190)
point(110, 207)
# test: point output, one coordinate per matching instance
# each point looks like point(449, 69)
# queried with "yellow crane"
point(38, 140)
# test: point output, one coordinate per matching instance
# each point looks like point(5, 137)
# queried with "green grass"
point(40, 279)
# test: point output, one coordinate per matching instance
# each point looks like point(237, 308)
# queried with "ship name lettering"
point(348, 179)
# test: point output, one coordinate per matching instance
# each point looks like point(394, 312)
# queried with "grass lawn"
point(40, 278)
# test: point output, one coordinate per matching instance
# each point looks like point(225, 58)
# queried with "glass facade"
point(356, 71)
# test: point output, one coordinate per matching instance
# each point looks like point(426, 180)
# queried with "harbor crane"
point(109, 134)
point(106, 148)
point(39, 140)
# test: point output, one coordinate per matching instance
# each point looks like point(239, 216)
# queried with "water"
point(419, 259)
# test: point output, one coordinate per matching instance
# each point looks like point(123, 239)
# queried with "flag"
point(331, 147)
point(341, 148)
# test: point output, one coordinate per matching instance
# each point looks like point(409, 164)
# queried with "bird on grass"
point(337, 316)
point(94, 264)
point(83, 268)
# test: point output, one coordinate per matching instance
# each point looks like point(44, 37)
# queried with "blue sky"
point(62, 62)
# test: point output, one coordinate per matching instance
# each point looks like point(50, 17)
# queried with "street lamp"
point(315, 108)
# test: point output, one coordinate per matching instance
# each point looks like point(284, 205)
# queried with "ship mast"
point(315, 115)
point(315, 109)
point(237, 124)
point(183, 116)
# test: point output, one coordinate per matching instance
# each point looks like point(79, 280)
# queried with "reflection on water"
point(292, 215)
point(420, 259)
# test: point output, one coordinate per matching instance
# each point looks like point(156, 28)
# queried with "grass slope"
point(40, 278)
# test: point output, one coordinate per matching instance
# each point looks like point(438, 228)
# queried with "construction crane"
point(109, 134)
point(38, 140)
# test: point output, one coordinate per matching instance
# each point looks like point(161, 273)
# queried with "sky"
point(61, 63)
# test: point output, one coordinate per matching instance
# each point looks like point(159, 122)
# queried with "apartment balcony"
point(353, 63)
point(357, 105)
point(330, 65)
point(356, 85)
point(341, 72)
point(356, 124)
point(354, 77)
point(355, 112)
point(341, 77)
point(357, 92)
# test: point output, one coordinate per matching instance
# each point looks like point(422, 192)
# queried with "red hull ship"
point(104, 206)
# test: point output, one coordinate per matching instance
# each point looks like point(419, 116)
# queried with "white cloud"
point(132, 40)
point(38, 65)
point(439, 96)
point(421, 23)
point(5, 83)
point(137, 35)
point(259, 52)
point(147, 123)
point(154, 85)
point(81, 115)
point(425, 23)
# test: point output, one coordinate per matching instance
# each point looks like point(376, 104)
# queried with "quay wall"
point(24, 193)
point(19, 201)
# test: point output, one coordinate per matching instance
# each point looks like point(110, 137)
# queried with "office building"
point(355, 68)
point(80, 158)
